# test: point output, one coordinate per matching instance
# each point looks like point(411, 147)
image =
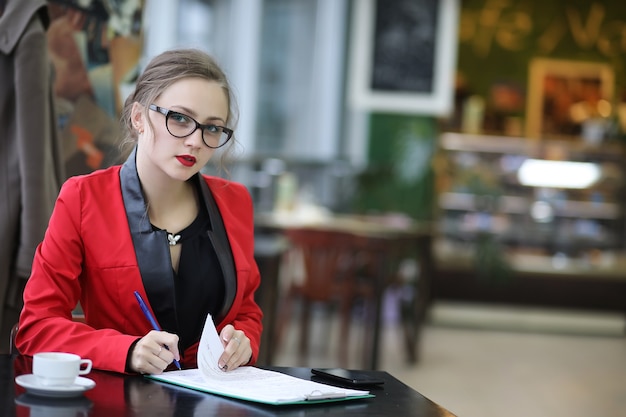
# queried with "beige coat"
point(31, 165)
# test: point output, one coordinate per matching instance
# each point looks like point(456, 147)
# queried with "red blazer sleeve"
point(87, 256)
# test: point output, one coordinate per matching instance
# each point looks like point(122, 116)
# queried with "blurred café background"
point(439, 184)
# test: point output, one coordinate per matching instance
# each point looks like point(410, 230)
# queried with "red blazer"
point(88, 255)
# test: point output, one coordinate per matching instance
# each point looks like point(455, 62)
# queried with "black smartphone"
point(348, 377)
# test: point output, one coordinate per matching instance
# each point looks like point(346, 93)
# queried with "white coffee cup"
point(58, 368)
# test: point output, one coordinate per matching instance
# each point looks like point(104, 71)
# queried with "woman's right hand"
point(154, 352)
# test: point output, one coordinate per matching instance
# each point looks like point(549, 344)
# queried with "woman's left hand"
point(237, 350)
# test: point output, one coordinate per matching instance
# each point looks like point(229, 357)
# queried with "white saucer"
point(29, 381)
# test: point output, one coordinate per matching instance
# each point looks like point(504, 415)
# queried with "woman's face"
point(180, 158)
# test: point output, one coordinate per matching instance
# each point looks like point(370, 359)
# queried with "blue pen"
point(151, 319)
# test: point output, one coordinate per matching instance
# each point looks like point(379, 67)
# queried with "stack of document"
point(251, 383)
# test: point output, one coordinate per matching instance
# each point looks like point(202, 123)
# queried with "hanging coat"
point(31, 166)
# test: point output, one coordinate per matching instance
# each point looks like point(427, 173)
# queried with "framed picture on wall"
point(95, 48)
point(568, 98)
point(403, 56)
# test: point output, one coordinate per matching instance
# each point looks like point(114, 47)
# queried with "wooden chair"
point(328, 266)
point(380, 258)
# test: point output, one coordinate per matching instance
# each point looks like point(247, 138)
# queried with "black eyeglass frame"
point(169, 113)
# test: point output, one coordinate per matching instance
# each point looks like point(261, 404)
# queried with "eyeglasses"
point(180, 126)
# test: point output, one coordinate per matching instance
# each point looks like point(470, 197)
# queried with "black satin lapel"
point(219, 239)
point(151, 249)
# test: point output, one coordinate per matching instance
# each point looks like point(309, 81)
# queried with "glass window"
point(300, 69)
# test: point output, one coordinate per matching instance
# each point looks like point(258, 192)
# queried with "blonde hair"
point(166, 69)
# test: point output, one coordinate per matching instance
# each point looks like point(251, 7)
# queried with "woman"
point(154, 225)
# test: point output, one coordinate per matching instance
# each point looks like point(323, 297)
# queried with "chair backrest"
point(327, 257)
point(12, 348)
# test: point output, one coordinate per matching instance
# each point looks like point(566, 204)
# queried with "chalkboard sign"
point(405, 37)
point(403, 55)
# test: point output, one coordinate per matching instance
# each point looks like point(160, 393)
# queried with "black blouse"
point(199, 284)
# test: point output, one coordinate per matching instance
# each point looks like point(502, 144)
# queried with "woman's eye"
point(180, 118)
point(213, 129)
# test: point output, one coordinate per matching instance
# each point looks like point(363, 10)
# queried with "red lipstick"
point(186, 160)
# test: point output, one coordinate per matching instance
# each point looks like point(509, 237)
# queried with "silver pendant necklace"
point(172, 238)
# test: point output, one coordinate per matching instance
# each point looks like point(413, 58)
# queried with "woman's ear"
point(137, 117)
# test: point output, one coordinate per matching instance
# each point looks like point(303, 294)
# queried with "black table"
point(125, 395)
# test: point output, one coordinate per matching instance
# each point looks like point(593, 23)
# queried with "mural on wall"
point(95, 48)
point(498, 39)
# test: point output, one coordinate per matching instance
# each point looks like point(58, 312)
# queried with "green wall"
point(399, 177)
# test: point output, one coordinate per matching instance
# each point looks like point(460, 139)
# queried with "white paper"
point(248, 382)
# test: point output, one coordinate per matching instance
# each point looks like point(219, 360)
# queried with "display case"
point(513, 207)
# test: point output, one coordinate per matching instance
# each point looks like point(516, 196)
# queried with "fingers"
point(154, 352)
point(237, 350)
